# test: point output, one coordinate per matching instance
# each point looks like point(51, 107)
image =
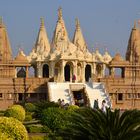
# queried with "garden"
point(50, 121)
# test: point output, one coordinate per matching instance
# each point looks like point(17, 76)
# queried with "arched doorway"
point(21, 72)
point(67, 72)
point(87, 72)
point(46, 71)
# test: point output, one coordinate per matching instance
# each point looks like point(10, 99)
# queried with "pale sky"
point(104, 23)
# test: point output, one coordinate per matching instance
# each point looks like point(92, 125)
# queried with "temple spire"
point(77, 24)
point(1, 21)
point(78, 38)
point(59, 13)
point(42, 23)
point(134, 25)
point(60, 32)
point(5, 48)
point(42, 45)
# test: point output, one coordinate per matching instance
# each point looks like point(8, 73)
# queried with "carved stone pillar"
point(94, 68)
point(83, 71)
point(112, 72)
point(52, 68)
point(15, 72)
point(62, 71)
point(39, 70)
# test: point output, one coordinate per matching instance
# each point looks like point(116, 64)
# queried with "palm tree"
point(89, 124)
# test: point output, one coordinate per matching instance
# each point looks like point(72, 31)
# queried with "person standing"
point(73, 78)
point(96, 104)
point(103, 108)
point(62, 103)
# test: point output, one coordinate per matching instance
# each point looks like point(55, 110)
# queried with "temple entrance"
point(46, 71)
point(87, 72)
point(80, 97)
point(67, 72)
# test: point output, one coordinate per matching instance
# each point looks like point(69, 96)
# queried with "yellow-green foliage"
point(16, 111)
point(12, 129)
point(73, 107)
point(37, 138)
point(4, 136)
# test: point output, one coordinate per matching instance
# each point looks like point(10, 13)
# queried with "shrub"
point(2, 112)
point(4, 136)
point(13, 129)
point(16, 111)
point(35, 129)
point(28, 117)
point(53, 118)
point(29, 107)
point(40, 106)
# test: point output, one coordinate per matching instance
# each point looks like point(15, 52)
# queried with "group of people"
point(62, 103)
point(103, 107)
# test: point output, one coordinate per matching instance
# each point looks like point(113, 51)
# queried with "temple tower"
point(5, 48)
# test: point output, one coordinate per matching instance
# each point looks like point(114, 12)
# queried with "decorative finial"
point(135, 24)
point(1, 21)
point(59, 13)
point(77, 23)
point(42, 22)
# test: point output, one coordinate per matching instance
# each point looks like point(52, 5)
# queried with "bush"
point(13, 129)
point(28, 117)
point(4, 136)
point(53, 118)
point(40, 106)
point(35, 129)
point(16, 111)
point(2, 112)
point(29, 107)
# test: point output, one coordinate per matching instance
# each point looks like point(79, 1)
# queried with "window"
point(1, 96)
point(138, 95)
point(120, 96)
point(129, 96)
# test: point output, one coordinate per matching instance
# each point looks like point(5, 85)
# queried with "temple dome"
point(117, 58)
point(21, 58)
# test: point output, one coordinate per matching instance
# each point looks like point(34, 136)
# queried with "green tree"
point(16, 111)
point(91, 124)
point(53, 118)
point(12, 129)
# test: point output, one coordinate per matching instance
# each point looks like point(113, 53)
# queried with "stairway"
point(97, 91)
point(63, 91)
